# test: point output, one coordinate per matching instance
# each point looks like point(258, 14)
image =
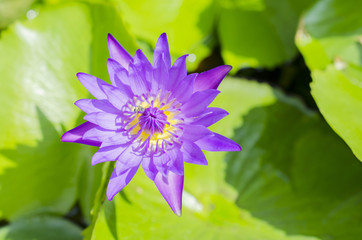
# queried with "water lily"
point(154, 115)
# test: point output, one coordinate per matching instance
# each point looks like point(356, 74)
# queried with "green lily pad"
point(38, 173)
point(41, 228)
point(330, 41)
point(338, 94)
point(296, 174)
point(258, 33)
point(331, 32)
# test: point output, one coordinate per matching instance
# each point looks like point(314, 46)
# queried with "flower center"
point(153, 121)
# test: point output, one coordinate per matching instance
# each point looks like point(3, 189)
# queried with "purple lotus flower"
point(156, 115)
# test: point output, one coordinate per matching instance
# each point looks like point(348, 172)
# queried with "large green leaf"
point(39, 60)
point(10, 10)
point(334, 18)
point(331, 33)
point(41, 228)
point(296, 173)
point(258, 33)
point(42, 57)
point(38, 173)
point(188, 24)
point(41, 178)
point(208, 210)
point(330, 41)
point(338, 94)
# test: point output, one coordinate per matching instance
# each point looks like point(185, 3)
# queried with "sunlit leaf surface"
point(330, 40)
point(38, 173)
point(338, 93)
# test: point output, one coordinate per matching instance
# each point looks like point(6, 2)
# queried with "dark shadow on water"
point(75, 216)
point(3, 223)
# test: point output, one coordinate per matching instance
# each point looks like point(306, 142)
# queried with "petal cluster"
point(154, 115)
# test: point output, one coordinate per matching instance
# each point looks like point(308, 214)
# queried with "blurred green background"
point(294, 97)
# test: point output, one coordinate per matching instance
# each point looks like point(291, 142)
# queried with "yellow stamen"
point(156, 138)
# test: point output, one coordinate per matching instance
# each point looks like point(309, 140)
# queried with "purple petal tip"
point(117, 52)
point(79, 75)
point(76, 135)
point(110, 37)
point(212, 78)
point(110, 195)
point(228, 67)
point(162, 51)
point(217, 143)
point(178, 213)
point(171, 188)
point(65, 137)
point(237, 148)
point(163, 35)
